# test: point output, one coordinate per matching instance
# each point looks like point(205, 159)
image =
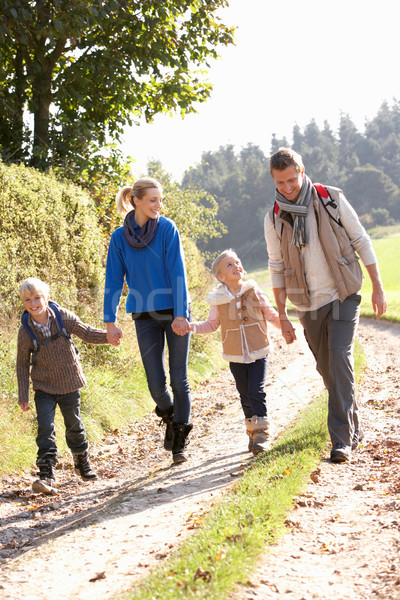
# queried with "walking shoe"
point(82, 466)
point(357, 438)
point(169, 430)
point(340, 453)
point(181, 432)
point(46, 484)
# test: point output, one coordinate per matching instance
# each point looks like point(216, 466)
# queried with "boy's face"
point(35, 304)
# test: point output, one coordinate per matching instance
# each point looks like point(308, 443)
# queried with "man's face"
point(288, 182)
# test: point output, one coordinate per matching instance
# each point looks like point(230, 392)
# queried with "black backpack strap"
point(323, 195)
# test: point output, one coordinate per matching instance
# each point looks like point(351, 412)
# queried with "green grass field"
point(388, 252)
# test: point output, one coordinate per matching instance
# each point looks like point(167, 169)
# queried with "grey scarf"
point(298, 210)
point(143, 237)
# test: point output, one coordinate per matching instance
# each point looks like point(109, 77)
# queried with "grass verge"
point(224, 550)
point(251, 515)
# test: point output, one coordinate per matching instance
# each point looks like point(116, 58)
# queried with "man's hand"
point(379, 303)
point(288, 331)
point(114, 334)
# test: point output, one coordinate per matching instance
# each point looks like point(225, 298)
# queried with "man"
point(312, 234)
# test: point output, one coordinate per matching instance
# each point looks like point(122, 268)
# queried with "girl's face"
point(149, 206)
point(36, 304)
point(230, 270)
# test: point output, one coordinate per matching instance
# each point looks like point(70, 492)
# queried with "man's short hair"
point(285, 157)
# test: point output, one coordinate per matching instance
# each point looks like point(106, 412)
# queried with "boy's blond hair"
point(33, 285)
point(217, 262)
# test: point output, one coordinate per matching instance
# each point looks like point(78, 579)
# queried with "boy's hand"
point(114, 334)
point(25, 406)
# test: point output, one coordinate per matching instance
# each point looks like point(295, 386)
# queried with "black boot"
point(82, 466)
point(46, 484)
point(166, 417)
point(181, 432)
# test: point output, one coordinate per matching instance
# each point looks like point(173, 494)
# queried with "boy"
point(56, 376)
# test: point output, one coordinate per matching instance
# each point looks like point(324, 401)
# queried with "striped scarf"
point(298, 210)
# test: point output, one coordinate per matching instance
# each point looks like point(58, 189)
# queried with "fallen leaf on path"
point(98, 576)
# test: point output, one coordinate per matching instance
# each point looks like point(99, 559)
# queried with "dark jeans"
point(151, 335)
point(330, 333)
point(250, 383)
point(74, 429)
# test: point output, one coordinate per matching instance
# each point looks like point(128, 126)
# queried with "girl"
point(147, 252)
point(241, 308)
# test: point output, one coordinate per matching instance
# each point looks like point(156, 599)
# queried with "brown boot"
point(46, 483)
point(258, 428)
point(82, 466)
point(250, 434)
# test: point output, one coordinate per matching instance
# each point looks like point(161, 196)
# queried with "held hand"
point(288, 331)
point(379, 303)
point(180, 326)
point(114, 334)
point(25, 406)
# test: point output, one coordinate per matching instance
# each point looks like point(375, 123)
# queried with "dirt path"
point(95, 539)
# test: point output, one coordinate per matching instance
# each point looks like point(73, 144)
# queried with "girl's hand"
point(114, 334)
point(180, 325)
point(25, 406)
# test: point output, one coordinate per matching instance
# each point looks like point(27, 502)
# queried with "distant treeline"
point(366, 166)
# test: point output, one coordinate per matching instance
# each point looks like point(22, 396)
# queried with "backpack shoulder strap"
point(59, 320)
point(326, 200)
point(30, 331)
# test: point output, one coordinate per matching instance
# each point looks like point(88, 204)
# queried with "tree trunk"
point(41, 100)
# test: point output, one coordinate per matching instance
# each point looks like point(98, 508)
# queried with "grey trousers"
point(330, 332)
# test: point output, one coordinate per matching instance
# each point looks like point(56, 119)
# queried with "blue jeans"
point(250, 383)
point(74, 429)
point(151, 335)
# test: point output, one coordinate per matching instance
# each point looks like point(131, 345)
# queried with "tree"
point(85, 69)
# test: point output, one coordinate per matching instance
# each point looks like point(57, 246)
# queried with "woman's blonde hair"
point(125, 196)
point(217, 262)
point(33, 285)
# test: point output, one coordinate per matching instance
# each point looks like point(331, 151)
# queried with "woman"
point(147, 252)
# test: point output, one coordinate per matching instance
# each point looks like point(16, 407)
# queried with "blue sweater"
point(155, 274)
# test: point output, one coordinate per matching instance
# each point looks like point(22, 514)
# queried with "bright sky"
point(308, 60)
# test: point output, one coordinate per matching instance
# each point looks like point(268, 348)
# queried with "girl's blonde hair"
point(217, 262)
point(125, 196)
point(33, 285)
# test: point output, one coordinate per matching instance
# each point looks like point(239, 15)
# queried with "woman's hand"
point(180, 326)
point(114, 334)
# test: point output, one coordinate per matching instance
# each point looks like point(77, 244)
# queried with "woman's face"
point(149, 206)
